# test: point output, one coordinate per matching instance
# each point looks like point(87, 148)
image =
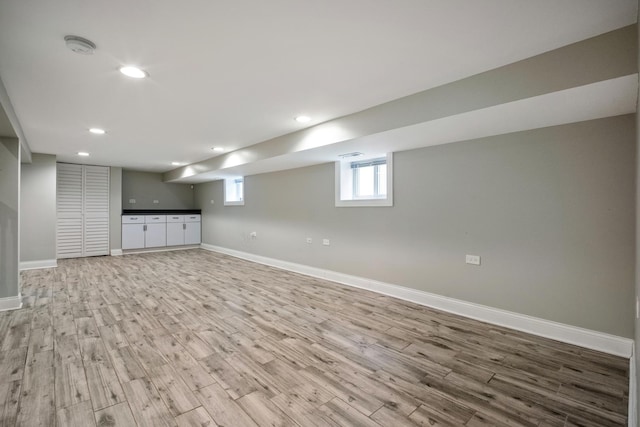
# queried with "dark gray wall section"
point(9, 215)
point(38, 209)
point(146, 187)
point(548, 210)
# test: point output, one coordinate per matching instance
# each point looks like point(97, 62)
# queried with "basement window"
point(365, 182)
point(234, 191)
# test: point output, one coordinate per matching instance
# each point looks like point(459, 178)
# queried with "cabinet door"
point(192, 233)
point(132, 236)
point(156, 235)
point(175, 233)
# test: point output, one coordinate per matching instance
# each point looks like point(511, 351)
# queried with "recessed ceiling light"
point(133, 72)
point(303, 119)
point(97, 131)
point(218, 149)
point(176, 163)
point(83, 153)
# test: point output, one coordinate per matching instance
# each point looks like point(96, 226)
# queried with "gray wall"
point(38, 209)
point(549, 211)
point(637, 251)
point(145, 187)
point(115, 208)
point(9, 217)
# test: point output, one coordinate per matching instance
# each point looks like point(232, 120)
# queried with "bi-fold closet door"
point(83, 210)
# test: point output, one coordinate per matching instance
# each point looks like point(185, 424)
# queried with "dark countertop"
point(161, 211)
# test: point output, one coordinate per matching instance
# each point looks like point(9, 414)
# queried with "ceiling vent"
point(80, 45)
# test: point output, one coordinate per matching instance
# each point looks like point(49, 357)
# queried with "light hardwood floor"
point(193, 338)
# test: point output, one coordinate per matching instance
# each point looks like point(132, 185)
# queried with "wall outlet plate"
point(326, 242)
point(309, 240)
point(473, 259)
point(132, 201)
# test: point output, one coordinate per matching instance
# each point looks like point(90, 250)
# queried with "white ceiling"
point(235, 73)
point(557, 108)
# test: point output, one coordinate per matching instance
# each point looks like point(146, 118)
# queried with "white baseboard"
point(633, 392)
point(594, 340)
point(42, 263)
point(160, 249)
point(116, 252)
point(11, 303)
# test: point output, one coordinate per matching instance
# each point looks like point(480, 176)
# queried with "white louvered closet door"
point(83, 210)
point(96, 210)
point(69, 210)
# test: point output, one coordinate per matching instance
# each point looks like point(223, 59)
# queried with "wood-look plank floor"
point(193, 338)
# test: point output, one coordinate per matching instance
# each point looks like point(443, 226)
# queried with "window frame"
point(344, 179)
point(225, 183)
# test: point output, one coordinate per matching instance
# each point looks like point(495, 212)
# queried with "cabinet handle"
point(184, 226)
point(144, 228)
point(134, 218)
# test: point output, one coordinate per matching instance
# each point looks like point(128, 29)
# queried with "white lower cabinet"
point(132, 232)
point(192, 230)
point(175, 230)
point(155, 236)
point(132, 236)
point(144, 231)
point(153, 231)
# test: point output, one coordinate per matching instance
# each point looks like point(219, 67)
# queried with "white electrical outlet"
point(212, 202)
point(326, 242)
point(155, 202)
point(253, 235)
point(473, 259)
point(309, 240)
point(132, 200)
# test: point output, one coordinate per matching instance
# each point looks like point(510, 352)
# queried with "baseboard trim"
point(594, 340)
point(161, 249)
point(42, 263)
point(633, 392)
point(116, 252)
point(11, 303)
